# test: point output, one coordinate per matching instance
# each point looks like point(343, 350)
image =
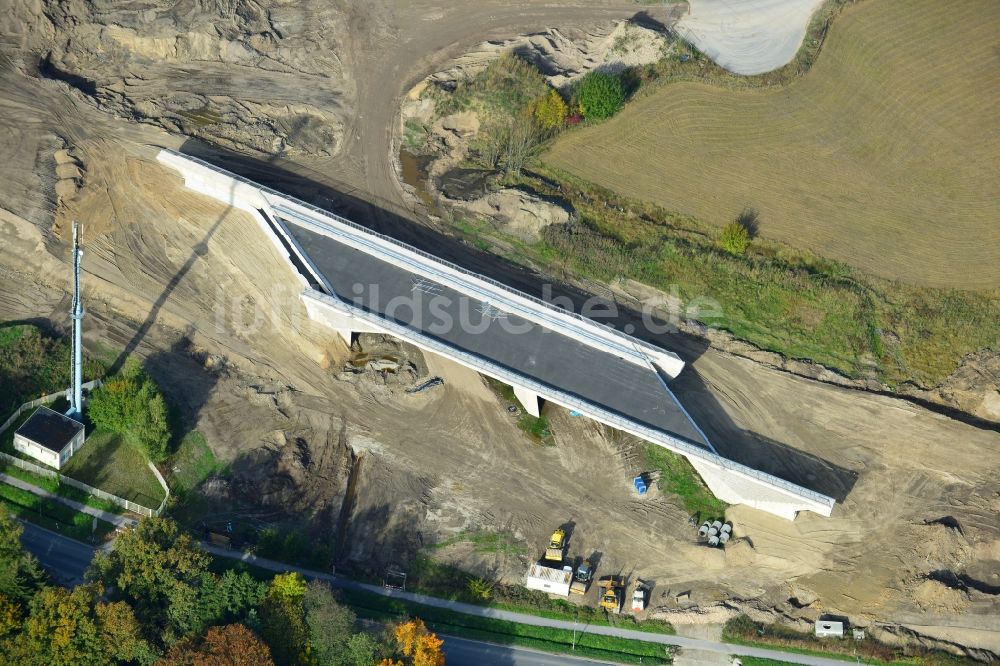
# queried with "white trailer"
point(546, 579)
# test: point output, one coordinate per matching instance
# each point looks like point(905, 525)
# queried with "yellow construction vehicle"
point(554, 553)
point(612, 589)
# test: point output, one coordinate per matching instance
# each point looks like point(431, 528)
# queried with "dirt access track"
point(185, 283)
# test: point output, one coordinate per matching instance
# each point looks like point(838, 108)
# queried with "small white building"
point(829, 628)
point(49, 437)
point(546, 579)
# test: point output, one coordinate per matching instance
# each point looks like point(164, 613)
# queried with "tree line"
point(155, 599)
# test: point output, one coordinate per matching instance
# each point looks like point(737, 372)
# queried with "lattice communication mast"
point(76, 314)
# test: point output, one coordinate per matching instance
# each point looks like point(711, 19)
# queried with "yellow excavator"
point(612, 589)
point(557, 544)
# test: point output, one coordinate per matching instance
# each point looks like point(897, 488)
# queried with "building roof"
point(50, 429)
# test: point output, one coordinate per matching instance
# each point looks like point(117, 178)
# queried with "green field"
point(882, 156)
point(107, 462)
point(834, 166)
point(192, 463)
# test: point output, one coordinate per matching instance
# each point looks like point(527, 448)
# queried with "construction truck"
point(612, 591)
point(581, 579)
point(554, 553)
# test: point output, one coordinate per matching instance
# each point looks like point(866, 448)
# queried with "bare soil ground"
point(193, 288)
point(876, 157)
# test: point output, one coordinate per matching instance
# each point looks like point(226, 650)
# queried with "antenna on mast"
point(76, 314)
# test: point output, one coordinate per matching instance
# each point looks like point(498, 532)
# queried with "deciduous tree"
point(230, 645)
point(599, 94)
point(11, 615)
point(158, 570)
point(419, 646)
point(131, 404)
point(734, 238)
point(73, 627)
point(283, 622)
point(550, 110)
point(330, 624)
point(20, 575)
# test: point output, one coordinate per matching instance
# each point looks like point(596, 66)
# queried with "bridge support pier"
point(530, 400)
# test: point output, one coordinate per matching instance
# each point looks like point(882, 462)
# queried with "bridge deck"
point(526, 347)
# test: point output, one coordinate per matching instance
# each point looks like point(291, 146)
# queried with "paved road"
point(68, 559)
point(107, 516)
point(64, 558)
point(469, 609)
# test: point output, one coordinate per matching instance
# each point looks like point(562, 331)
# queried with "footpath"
point(107, 516)
point(522, 618)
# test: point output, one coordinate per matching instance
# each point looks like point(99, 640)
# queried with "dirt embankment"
point(252, 75)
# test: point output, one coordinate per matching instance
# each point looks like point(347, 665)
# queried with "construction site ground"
point(193, 288)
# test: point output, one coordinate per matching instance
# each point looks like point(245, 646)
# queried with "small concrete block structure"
point(49, 437)
point(829, 629)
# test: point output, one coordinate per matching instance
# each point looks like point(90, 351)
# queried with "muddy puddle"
point(415, 174)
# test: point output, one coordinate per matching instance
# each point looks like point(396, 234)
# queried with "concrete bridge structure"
point(356, 280)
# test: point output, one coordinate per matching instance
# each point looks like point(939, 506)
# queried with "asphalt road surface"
point(65, 559)
point(542, 354)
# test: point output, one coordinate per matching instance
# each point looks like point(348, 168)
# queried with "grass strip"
point(536, 427)
point(51, 515)
point(62, 490)
point(621, 650)
point(377, 607)
point(108, 462)
point(677, 477)
point(435, 579)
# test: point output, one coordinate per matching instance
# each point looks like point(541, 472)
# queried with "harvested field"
point(877, 157)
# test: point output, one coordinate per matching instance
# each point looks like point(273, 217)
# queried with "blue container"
point(640, 484)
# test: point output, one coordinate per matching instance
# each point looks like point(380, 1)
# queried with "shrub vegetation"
point(131, 404)
point(550, 111)
point(734, 238)
point(742, 630)
point(33, 364)
point(599, 95)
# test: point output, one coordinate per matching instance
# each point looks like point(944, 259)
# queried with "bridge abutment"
point(730, 481)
